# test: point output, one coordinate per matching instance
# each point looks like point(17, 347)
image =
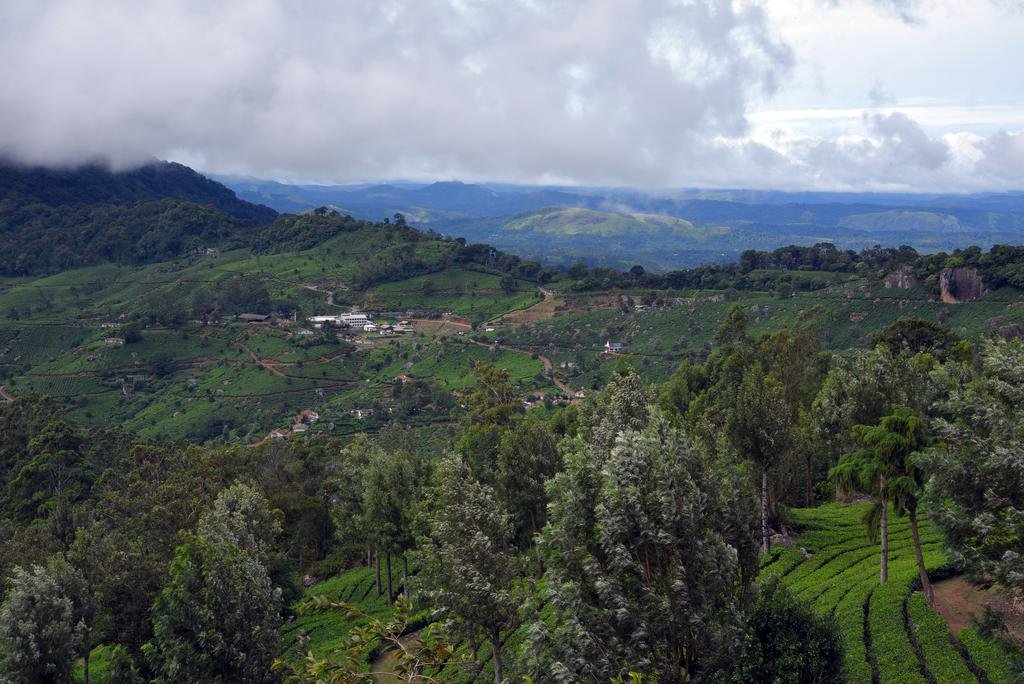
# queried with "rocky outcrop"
point(961, 284)
point(903, 279)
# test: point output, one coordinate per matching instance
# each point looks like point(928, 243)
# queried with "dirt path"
point(383, 666)
point(319, 290)
point(266, 363)
point(958, 600)
point(5, 395)
point(440, 325)
point(548, 366)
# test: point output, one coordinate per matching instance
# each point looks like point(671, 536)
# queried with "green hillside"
point(929, 221)
point(577, 221)
point(187, 369)
point(197, 373)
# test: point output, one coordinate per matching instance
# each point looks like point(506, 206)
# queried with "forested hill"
point(55, 219)
point(91, 185)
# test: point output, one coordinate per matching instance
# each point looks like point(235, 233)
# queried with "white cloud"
point(361, 89)
point(801, 93)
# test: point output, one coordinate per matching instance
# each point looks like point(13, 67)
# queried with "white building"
point(355, 320)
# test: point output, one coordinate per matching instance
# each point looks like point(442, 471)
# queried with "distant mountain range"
point(52, 220)
point(666, 230)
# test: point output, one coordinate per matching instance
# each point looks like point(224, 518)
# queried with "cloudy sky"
point(888, 95)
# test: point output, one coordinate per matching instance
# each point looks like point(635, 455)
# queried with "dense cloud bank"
point(633, 92)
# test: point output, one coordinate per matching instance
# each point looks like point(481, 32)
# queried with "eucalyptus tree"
point(218, 617)
point(391, 484)
point(976, 469)
point(862, 388)
point(759, 427)
point(242, 516)
point(347, 510)
point(650, 554)
point(469, 561)
point(39, 633)
point(527, 457)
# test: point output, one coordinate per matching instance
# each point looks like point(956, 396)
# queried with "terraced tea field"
point(889, 634)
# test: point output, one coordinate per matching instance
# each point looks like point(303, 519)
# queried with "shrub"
point(785, 642)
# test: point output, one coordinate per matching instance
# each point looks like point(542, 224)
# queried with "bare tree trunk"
point(85, 664)
point(391, 593)
point(926, 584)
point(379, 589)
point(766, 540)
point(810, 477)
point(883, 527)
point(536, 546)
point(496, 654)
point(369, 556)
point(405, 576)
point(473, 647)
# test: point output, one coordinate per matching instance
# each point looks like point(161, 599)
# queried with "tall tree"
point(885, 467)
point(650, 554)
point(39, 636)
point(217, 618)
point(733, 331)
point(864, 387)
point(347, 501)
point(624, 404)
point(95, 569)
point(468, 559)
point(392, 482)
point(976, 470)
point(527, 458)
point(759, 428)
point(241, 515)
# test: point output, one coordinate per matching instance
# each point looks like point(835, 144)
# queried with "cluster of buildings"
point(360, 321)
point(357, 321)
